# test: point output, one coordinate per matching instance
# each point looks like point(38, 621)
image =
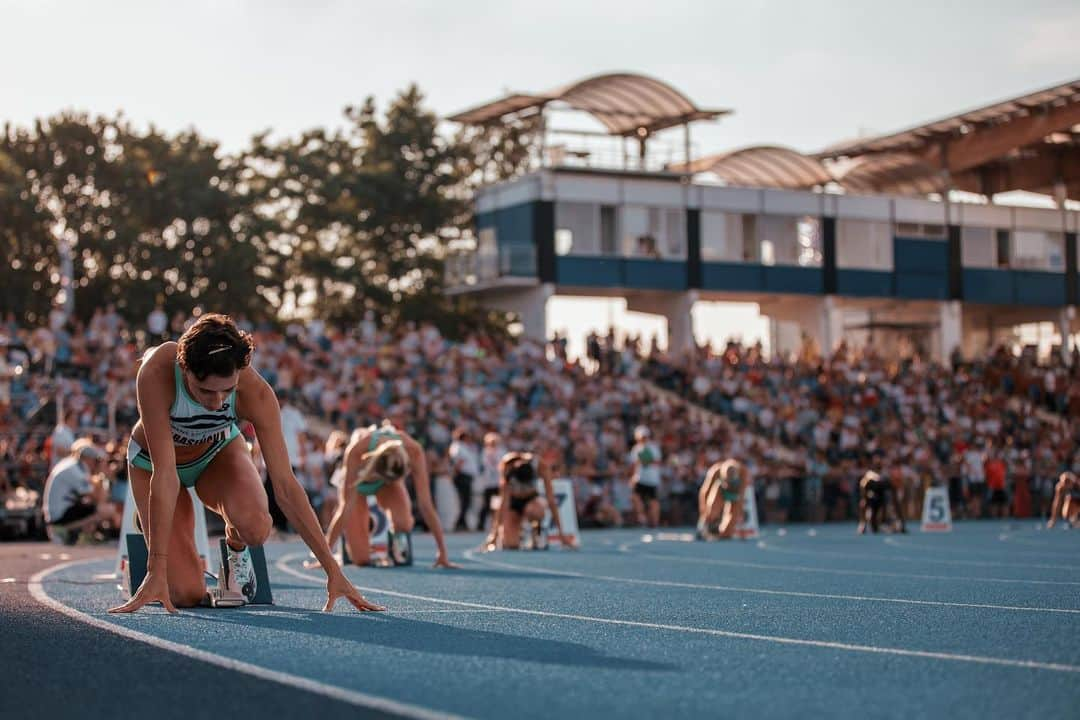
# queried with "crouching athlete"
point(1066, 503)
point(520, 502)
point(720, 500)
point(377, 461)
point(191, 394)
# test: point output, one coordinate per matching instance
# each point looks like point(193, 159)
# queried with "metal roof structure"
point(762, 166)
point(1030, 117)
point(1030, 142)
point(627, 104)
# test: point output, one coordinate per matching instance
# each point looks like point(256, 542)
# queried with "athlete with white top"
point(191, 393)
point(645, 458)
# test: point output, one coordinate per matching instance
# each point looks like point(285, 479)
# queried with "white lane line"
point(933, 548)
point(923, 561)
point(1007, 537)
point(762, 591)
point(625, 548)
point(352, 697)
point(282, 565)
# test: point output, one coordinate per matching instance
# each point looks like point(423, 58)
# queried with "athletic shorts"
point(999, 497)
point(731, 495)
point(517, 504)
point(645, 492)
point(81, 510)
point(188, 472)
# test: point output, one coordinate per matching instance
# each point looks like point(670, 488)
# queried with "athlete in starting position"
point(1066, 503)
point(377, 460)
point(720, 500)
point(520, 501)
point(191, 394)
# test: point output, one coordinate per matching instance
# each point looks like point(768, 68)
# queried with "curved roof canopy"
point(1030, 142)
point(762, 166)
point(625, 103)
point(899, 173)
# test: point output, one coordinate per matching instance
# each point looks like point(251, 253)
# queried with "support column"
point(677, 308)
point(950, 330)
point(819, 319)
point(529, 304)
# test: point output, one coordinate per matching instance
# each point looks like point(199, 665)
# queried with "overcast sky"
point(800, 73)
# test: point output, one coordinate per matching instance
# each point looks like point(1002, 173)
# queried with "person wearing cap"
point(645, 458)
point(70, 498)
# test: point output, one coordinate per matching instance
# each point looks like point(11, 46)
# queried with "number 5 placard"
point(936, 516)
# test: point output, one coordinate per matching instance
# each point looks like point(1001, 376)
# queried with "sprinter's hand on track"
point(442, 561)
point(338, 586)
point(567, 542)
point(155, 587)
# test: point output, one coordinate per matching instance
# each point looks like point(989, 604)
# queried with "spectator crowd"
point(996, 431)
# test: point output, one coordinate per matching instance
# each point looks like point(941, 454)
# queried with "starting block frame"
point(132, 554)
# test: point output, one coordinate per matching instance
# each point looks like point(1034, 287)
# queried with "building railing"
point(472, 267)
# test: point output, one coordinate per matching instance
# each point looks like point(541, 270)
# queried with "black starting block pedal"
point(133, 563)
point(400, 548)
point(263, 595)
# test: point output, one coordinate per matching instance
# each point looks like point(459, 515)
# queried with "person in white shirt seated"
point(73, 503)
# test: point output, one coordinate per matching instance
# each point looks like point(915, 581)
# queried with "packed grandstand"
point(997, 430)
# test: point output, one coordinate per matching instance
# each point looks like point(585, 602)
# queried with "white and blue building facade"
point(817, 263)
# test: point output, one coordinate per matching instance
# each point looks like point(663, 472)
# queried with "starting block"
point(379, 534)
point(748, 528)
point(564, 498)
point(136, 556)
point(263, 594)
point(397, 552)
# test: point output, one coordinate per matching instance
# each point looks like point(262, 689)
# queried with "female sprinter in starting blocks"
point(519, 501)
point(191, 394)
point(1066, 501)
point(377, 460)
point(720, 500)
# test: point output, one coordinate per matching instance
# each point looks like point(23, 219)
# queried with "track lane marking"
point(282, 565)
point(352, 697)
point(470, 554)
point(625, 548)
point(906, 559)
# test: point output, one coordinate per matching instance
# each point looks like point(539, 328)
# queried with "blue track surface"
point(981, 622)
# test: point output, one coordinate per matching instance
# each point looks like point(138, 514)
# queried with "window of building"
point(1002, 242)
point(1038, 250)
point(978, 248)
point(577, 229)
point(721, 237)
point(864, 245)
point(564, 241)
point(609, 244)
point(789, 240)
point(930, 231)
point(650, 232)
point(750, 241)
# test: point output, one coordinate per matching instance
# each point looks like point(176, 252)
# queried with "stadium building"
point(894, 239)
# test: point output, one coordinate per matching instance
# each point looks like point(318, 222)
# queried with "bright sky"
point(796, 73)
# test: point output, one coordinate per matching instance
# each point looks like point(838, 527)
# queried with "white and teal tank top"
point(192, 424)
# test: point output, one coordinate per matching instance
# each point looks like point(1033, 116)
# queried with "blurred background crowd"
point(996, 430)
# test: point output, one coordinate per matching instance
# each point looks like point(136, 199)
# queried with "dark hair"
point(214, 346)
point(521, 471)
